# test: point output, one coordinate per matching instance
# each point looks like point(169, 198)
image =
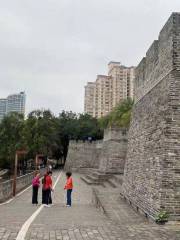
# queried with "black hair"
point(68, 174)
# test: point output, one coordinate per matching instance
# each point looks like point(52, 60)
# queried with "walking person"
point(69, 188)
point(35, 188)
point(47, 189)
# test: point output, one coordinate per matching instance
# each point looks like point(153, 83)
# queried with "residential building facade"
point(109, 90)
point(13, 103)
point(89, 98)
point(101, 96)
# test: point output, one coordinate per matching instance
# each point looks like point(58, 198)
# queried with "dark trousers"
point(35, 195)
point(69, 192)
point(48, 199)
point(43, 196)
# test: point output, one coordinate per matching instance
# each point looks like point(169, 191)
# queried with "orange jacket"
point(69, 184)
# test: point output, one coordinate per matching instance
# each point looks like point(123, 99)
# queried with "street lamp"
point(18, 153)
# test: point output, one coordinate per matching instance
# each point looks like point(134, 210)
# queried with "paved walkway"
point(80, 222)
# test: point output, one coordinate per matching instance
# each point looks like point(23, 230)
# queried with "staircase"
point(95, 177)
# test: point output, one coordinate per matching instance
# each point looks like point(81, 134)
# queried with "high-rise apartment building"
point(89, 98)
point(16, 103)
point(109, 90)
point(13, 103)
point(101, 96)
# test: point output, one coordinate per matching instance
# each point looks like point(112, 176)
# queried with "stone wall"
point(152, 169)
point(108, 156)
point(83, 155)
point(114, 151)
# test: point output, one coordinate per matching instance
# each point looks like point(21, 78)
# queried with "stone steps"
point(110, 183)
point(118, 178)
point(114, 182)
point(89, 181)
point(95, 177)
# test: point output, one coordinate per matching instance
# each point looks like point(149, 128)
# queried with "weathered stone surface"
point(83, 155)
point(108, 155)
point(114, 151)
point(152, 169)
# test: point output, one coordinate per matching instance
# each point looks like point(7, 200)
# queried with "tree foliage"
point(11, 137)
point(43, 133)
point(119, 117)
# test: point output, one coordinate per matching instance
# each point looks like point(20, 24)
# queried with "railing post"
point(15, 174)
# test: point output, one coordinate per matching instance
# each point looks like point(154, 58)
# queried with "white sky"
point(51, 48)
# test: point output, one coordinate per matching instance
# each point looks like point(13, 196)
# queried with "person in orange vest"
point(69, 188)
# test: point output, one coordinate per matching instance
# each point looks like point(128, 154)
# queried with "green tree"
point(41, 133)
point(119, 117)
point(77, 127)
point(11, 138)
point(88, 127)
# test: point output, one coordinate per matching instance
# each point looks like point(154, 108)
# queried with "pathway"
point(80, 222)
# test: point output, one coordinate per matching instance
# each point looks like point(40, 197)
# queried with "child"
point(69, 188)
point(35, 187)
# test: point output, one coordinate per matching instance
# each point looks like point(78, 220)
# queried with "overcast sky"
point(51, 48)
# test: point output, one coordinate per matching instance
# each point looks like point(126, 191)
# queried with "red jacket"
point(69, 184)
point(48, 182)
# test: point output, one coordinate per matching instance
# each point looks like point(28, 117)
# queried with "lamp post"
point(18, 153)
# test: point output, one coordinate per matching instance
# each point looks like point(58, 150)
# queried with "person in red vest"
point(69, 188)
point(47, 188)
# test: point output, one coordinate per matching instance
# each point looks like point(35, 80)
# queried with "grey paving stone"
point(81, 222)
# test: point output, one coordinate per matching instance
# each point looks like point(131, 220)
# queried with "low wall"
point(6, 188)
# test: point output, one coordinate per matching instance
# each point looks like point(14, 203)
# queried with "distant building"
point(13, 103)
point(102, 96)
point(109, 90)
point(16, 103)
point(3, 104)
point(89, 98)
